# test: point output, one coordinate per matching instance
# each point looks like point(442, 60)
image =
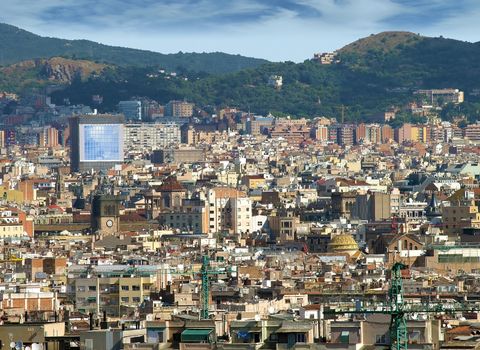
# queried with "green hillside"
point(374, 73)
point(19, 45)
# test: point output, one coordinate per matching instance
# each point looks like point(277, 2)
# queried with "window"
point(345, 337)
point(125, 288)
point(125, 299)
point(136, 288)
point(256, 337)
point(136, 299)
point(146, 287)
point(380, 339)
point(414, 336)
point(92, 288)
point(300, 338)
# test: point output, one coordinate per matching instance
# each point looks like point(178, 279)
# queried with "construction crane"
point(397, 308)
point(206, 271)
point(342, 109)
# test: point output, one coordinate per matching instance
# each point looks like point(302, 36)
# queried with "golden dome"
point(343, 243)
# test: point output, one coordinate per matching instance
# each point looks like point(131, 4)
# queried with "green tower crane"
point(398, 323)
point(204, 273)
point(205, 292)
point(397, 308)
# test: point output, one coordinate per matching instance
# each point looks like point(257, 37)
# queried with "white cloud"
point(277, 30)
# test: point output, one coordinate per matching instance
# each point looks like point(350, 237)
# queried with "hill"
point(400, 59)
point(18, 45)
point(39, 72)
point(374, 73)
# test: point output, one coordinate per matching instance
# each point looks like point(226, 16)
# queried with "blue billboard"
point(101, 142)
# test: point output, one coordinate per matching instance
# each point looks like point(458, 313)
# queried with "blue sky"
point(277, 30)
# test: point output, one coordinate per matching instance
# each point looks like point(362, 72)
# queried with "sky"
point(277, 30)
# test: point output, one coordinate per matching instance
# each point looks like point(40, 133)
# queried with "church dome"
point(343, 243)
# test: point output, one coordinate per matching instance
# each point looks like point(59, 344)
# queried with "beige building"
point(230, 211)
point(460, 215)
point(179, 109)
point(29, 334)
point(192, 216)
point(284, 226)
point(111, 294)
point(374, 330)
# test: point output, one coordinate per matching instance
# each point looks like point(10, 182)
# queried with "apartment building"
point(11, 224)
point(460, 215)
point(179, 109)
point(142, 137)
point(440, 97)
point(229, 211)
point(112, 292)
point(192, 217)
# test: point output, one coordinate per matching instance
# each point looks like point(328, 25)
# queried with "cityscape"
point(212, 201)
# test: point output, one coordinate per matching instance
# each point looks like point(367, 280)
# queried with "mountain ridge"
point(373, 74)
point(18, 45)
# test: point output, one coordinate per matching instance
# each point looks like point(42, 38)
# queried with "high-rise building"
point(132, 110)
point(229, 210)
point(320, 133)
point(387, 133)
point(48, 137)
point(151, 136)
point(2, 139)
point(346, 135)
point(96, 141)
point(472, 132)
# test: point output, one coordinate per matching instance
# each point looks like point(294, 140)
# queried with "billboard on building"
point(101, 142)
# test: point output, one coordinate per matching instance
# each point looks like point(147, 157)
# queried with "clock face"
point(109, 223)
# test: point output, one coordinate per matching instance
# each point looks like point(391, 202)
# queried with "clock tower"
point(106, 214)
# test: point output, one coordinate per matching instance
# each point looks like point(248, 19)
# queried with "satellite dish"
point(257, 317)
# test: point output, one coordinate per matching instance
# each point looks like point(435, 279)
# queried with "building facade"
point(96, 142)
